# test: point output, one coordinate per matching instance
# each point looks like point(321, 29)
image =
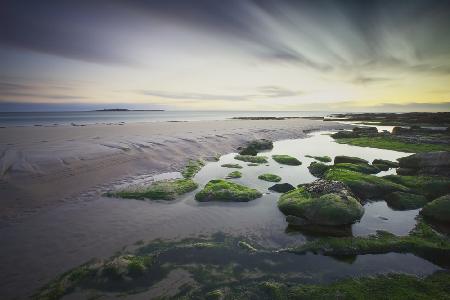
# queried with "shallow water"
point(37, 249)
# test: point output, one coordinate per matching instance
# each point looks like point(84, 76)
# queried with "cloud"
point(260, 93)
point(34, 91)
point(368, 80)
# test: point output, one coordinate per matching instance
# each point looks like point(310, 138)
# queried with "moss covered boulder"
point(223, 190)
point(428, 186)
point(282, 187)
point(252, 159)
point(234, 174)
point(232, 166)
point(192, 168)
point(322, 202)
point(253, 147)
point(286, 160)
point(358, 167)
point(438, 209)
point(320, 158)
point(427, 163)
point(318, 169)
point(364, 185)
point(349, 159)
point(270, 177)
point(388, 163)
point(405, 201)
point(159, 190)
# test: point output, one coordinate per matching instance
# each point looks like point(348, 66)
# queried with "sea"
point(12, 119)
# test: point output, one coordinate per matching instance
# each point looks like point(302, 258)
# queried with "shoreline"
point(43, 166)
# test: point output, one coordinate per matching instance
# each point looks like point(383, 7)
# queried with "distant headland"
point(125, 109)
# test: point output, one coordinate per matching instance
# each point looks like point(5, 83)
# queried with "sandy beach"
point(43, 166)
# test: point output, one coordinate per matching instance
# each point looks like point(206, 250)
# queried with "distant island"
point(125, 109)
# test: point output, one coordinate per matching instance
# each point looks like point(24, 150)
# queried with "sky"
point(225, 55)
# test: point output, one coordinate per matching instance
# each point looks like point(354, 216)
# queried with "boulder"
point(223, 190)
point(405, 201)
point(322, 202)
point(282, 187)
point(344, 135)
point(432, 163)
point(438, 209)
point(349, 159)
point(365, 130)
point(360, 167)
point(318, 169)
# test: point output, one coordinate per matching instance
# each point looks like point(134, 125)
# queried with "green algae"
point(222, 190)
point(392, 143)
point(252, 159)
point(438, 209)
point(349, 159)
point(320, 158)
point(429, 186)
point(405, 201)
point(192, 168)
point(159, 190)
point(357, 167)
point(234, 174)
point(270, 177)
point(286, 160)
point(364, 185)
point(326, 209)
point(232, 166)
point(318, 169)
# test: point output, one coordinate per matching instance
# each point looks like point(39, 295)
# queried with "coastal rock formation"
point(282, 187)
point(432, 163)
point(286, 160)
point(223, 190)
point(349, 159)
point(318, 169)
point(253, 147)
point(322, 202)
point(405, 201)
point(438, 209)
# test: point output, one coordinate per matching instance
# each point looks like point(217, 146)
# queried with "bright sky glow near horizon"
point(231, 55)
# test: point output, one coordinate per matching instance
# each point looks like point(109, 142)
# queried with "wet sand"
point(45, 166)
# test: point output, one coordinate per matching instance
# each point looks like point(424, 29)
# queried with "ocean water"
point(8, 119)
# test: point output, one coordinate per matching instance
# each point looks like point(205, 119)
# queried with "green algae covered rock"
point(320, 158)
point(223, 190)
point(252, 159)
point(192, 168)
point(270, 177)
point(438, 209)
point(405, 201)
point(318, 169)
point(234, 174)
point(428, 186)
point(349, 159)
point(322, 202)
point(388, 163)
point(159, 190)
point(255, 146)
point(282, 187)
point(286, 160)
point(364, 185)
point(232, 166)
point(358, 167)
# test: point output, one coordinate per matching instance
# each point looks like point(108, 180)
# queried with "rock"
point(252, 159)
point(223, 190)
point(286, 160)
point(349, 159)
point(322, 202)
point(232, 166)
point(360, 167)
point(344, 135)
point(282, 187)
point(318, 169)
point(320, 158)
point(429, 186)
point(405, 201)
point(390, 164)
point(363, 185)
point(438, 209)
point(234, 174)
point(270, 177)
point(381, 167)
point(432, 163)
point(255, 146)
point(365, 130)
point(406, 171)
